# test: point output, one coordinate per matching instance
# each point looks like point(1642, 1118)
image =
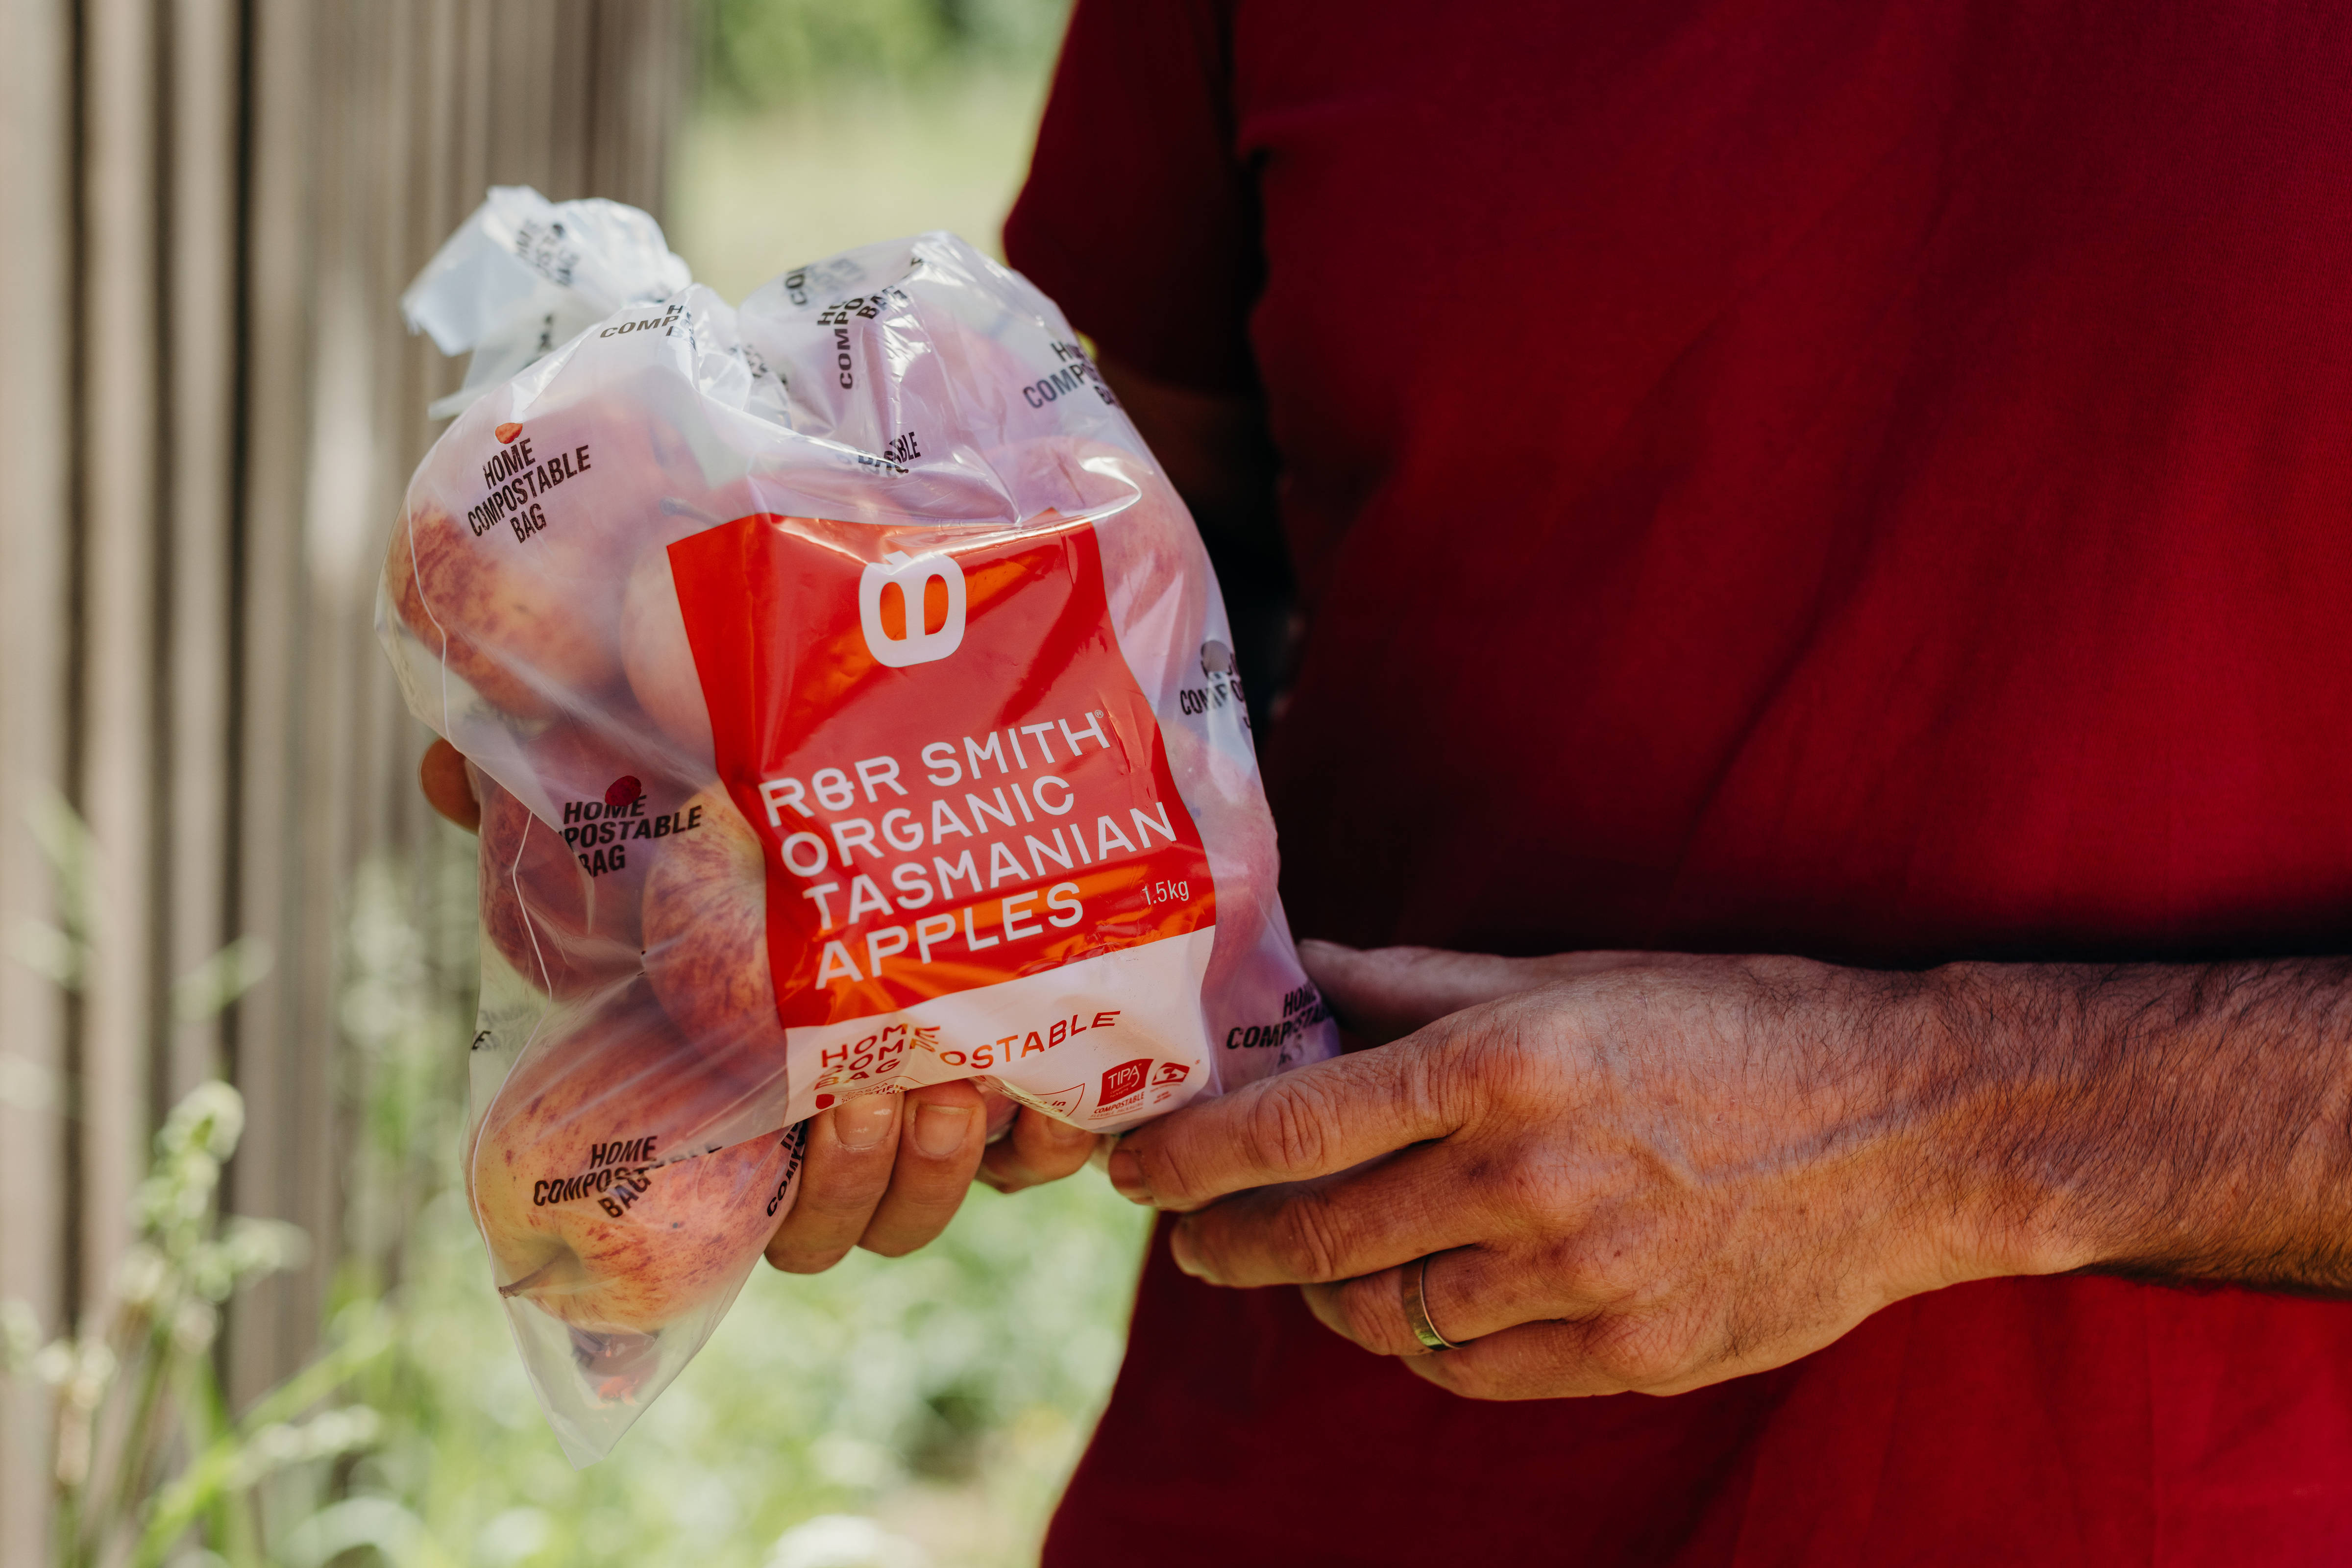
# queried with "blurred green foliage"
point(768, 53)
point(938, 1400)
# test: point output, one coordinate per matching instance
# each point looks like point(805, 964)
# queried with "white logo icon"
point(914, 578)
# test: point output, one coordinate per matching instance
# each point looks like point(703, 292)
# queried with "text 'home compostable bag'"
point(851, 708)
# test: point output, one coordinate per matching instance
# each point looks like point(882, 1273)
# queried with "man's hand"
point(885, 1172)
point(1632, 1172)
point(1628, 1172)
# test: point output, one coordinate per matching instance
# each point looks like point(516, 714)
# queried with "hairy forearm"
point(2188, 1123)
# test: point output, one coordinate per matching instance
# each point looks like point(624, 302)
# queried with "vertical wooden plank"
point(387, 808)
point(268, 621)
point(646, 45)
point(478, 99)
point(520, 106)
point(118, 611)
point(198, 461)
point(563, 118)
point(443, 191)
point(436, 193)
point(338, 523)
point(36, 173)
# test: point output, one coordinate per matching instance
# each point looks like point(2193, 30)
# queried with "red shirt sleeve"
point(1138, 218)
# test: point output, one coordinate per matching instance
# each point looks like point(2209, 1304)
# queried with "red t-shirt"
point(1872, 482)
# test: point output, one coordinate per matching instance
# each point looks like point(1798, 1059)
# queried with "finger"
point(447, 790)
point(1041, 1149)
point(1405, 1207)
point(945, 1134)
point(1468, 1293)
point(1613, 1353)
point(851, 1151)
point(1386, 992)
point(1001, 1111)
point(1305, 1123)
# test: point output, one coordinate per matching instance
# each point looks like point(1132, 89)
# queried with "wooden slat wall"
point(207, 211)
point(36, 254)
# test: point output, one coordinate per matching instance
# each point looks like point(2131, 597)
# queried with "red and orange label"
point(953, 776)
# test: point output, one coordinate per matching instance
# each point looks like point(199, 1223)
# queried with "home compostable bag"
point(851, 708)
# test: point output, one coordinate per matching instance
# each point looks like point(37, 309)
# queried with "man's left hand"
point(1626, 1171)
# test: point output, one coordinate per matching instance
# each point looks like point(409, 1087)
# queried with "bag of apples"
point(851, 704)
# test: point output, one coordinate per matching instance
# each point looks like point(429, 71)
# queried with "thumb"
point(1384, 994)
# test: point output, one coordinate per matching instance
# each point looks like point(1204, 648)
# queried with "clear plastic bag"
point(851, 708)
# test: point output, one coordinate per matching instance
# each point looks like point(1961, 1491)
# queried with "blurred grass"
point(821, 125)
point(942, 1397)
point(758, 192)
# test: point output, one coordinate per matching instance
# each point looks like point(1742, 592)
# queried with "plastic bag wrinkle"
point(760, 832)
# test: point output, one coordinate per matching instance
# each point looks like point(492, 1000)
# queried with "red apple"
point(658, 658)
point(1156, 574)
point(1237, 832)
point(603, 1185)
point(563, 931)
point(524, 630)
point(510, 560)
point(706, 932)
point(560, 899)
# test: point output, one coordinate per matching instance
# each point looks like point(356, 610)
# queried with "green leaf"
point(54, 955)
point(28, 1085)
point(207, 990)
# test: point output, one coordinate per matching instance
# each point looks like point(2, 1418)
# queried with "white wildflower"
point(194, 1325)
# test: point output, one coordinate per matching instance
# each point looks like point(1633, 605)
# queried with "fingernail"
point(940, 1129)
point(865, 1122)
point(1125, 1170)
point(1180, 1247)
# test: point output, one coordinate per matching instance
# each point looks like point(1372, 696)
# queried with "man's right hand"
point(885, 1172)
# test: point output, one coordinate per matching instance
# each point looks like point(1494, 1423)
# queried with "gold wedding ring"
point(1411, 1284)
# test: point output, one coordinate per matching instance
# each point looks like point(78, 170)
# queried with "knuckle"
point(1475, 1382)
point(1490, 1063)
point(906, 1232)
point(834, 1191)
point(1058, 1134)
point(1289, 1128)
point(1455, 1372)
point(1634, 1352)
point(787, 1260)
point(832, 1210)
point(1600, 1272)
point(1168, 1170)
point(1006, 1175)
point(1368, 1308)
point(1530, 1193)
point(1310, 1241)
point(1059, 1160)
point(1430, 1089)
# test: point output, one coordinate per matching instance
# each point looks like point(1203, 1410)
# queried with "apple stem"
point(532, 1279)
